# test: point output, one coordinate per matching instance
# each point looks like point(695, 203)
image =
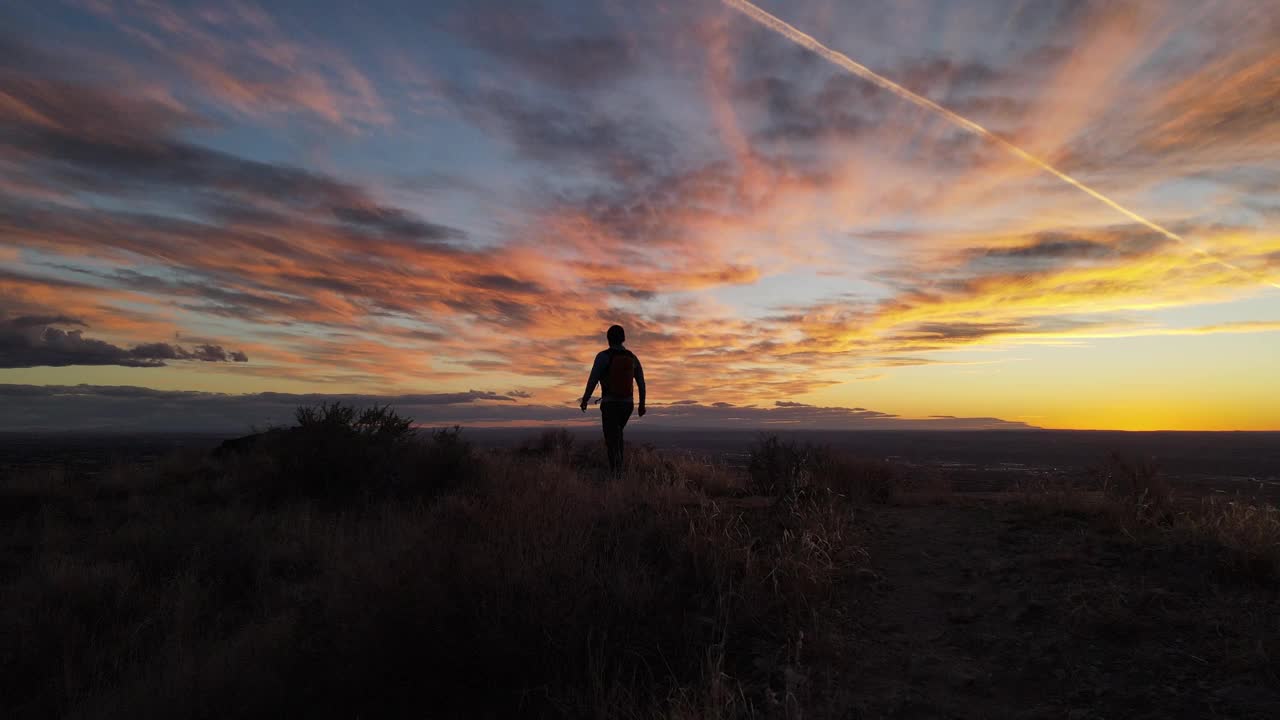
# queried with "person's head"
point(616, 335)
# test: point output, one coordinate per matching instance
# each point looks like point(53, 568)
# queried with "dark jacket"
point(600, 371)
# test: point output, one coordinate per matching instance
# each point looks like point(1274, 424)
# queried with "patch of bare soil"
point(990, 609)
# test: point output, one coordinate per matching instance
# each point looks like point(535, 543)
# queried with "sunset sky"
point(210, 212)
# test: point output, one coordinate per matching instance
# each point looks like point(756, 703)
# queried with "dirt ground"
point(983, 608)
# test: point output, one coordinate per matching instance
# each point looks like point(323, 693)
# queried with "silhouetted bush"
point(336, 452)
point(873, 481)
point(377, 425)
point(1137, 484)
point(554, 442)
point(778, 466)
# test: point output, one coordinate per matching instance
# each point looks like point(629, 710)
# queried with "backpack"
point(618, 376)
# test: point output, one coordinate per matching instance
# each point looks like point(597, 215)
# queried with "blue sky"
point(397, 199)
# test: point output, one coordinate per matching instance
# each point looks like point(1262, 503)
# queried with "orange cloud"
point(807, 182)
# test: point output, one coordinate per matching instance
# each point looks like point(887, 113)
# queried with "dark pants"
point(614, 416)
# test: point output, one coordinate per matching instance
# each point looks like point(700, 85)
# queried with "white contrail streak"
point(764, 19)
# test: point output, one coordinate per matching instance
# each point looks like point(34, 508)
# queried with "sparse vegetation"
point(336, 421)
point(553, 442)
point(510, 585)
point(1136, 488)
point(1250, 533)
point(1136, 499)
point(436, 579)
point(778, 466)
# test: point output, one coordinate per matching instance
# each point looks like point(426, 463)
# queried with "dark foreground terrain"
point(350, 570)
point(996, 608)
point(1194, 463)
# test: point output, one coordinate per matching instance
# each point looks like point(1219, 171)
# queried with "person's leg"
point(624, 414)
point(613, 416)
point(612, 435)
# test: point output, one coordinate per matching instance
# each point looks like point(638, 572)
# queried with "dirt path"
point(983, 609)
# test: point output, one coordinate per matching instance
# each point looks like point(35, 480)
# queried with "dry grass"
point(526, 586)
point(1251, 534)
point(1135, 499)
point(1136, 488)
point(780, 467)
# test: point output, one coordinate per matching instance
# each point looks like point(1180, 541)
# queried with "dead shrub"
point(1137, 486)
point(776, 466)
point(872, 481)
point(780, 467)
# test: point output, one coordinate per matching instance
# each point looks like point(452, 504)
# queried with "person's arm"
point(597, 370)
point(640, 385)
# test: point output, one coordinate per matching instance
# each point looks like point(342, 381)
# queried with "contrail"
point(764, 19)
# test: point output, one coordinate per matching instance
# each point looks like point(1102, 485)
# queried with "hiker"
point(614, 369)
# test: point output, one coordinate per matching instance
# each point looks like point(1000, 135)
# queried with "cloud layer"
point(125, 409)
point(365, 209)
point(35, 341)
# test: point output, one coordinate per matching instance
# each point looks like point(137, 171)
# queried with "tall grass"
point(1136, 498)
point(1250, 533)
point(438, 581)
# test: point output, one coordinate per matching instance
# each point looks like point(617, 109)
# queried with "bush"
point(779, 467)
point(336, 453)
point(555, 442)
point(1137, 485)
point(377, 425)
point(873, 481)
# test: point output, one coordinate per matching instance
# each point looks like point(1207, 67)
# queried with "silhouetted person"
point(614, 369)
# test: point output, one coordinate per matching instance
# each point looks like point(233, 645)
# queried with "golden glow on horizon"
point(1123, 383)
point(772, 221)
point(766, 20)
